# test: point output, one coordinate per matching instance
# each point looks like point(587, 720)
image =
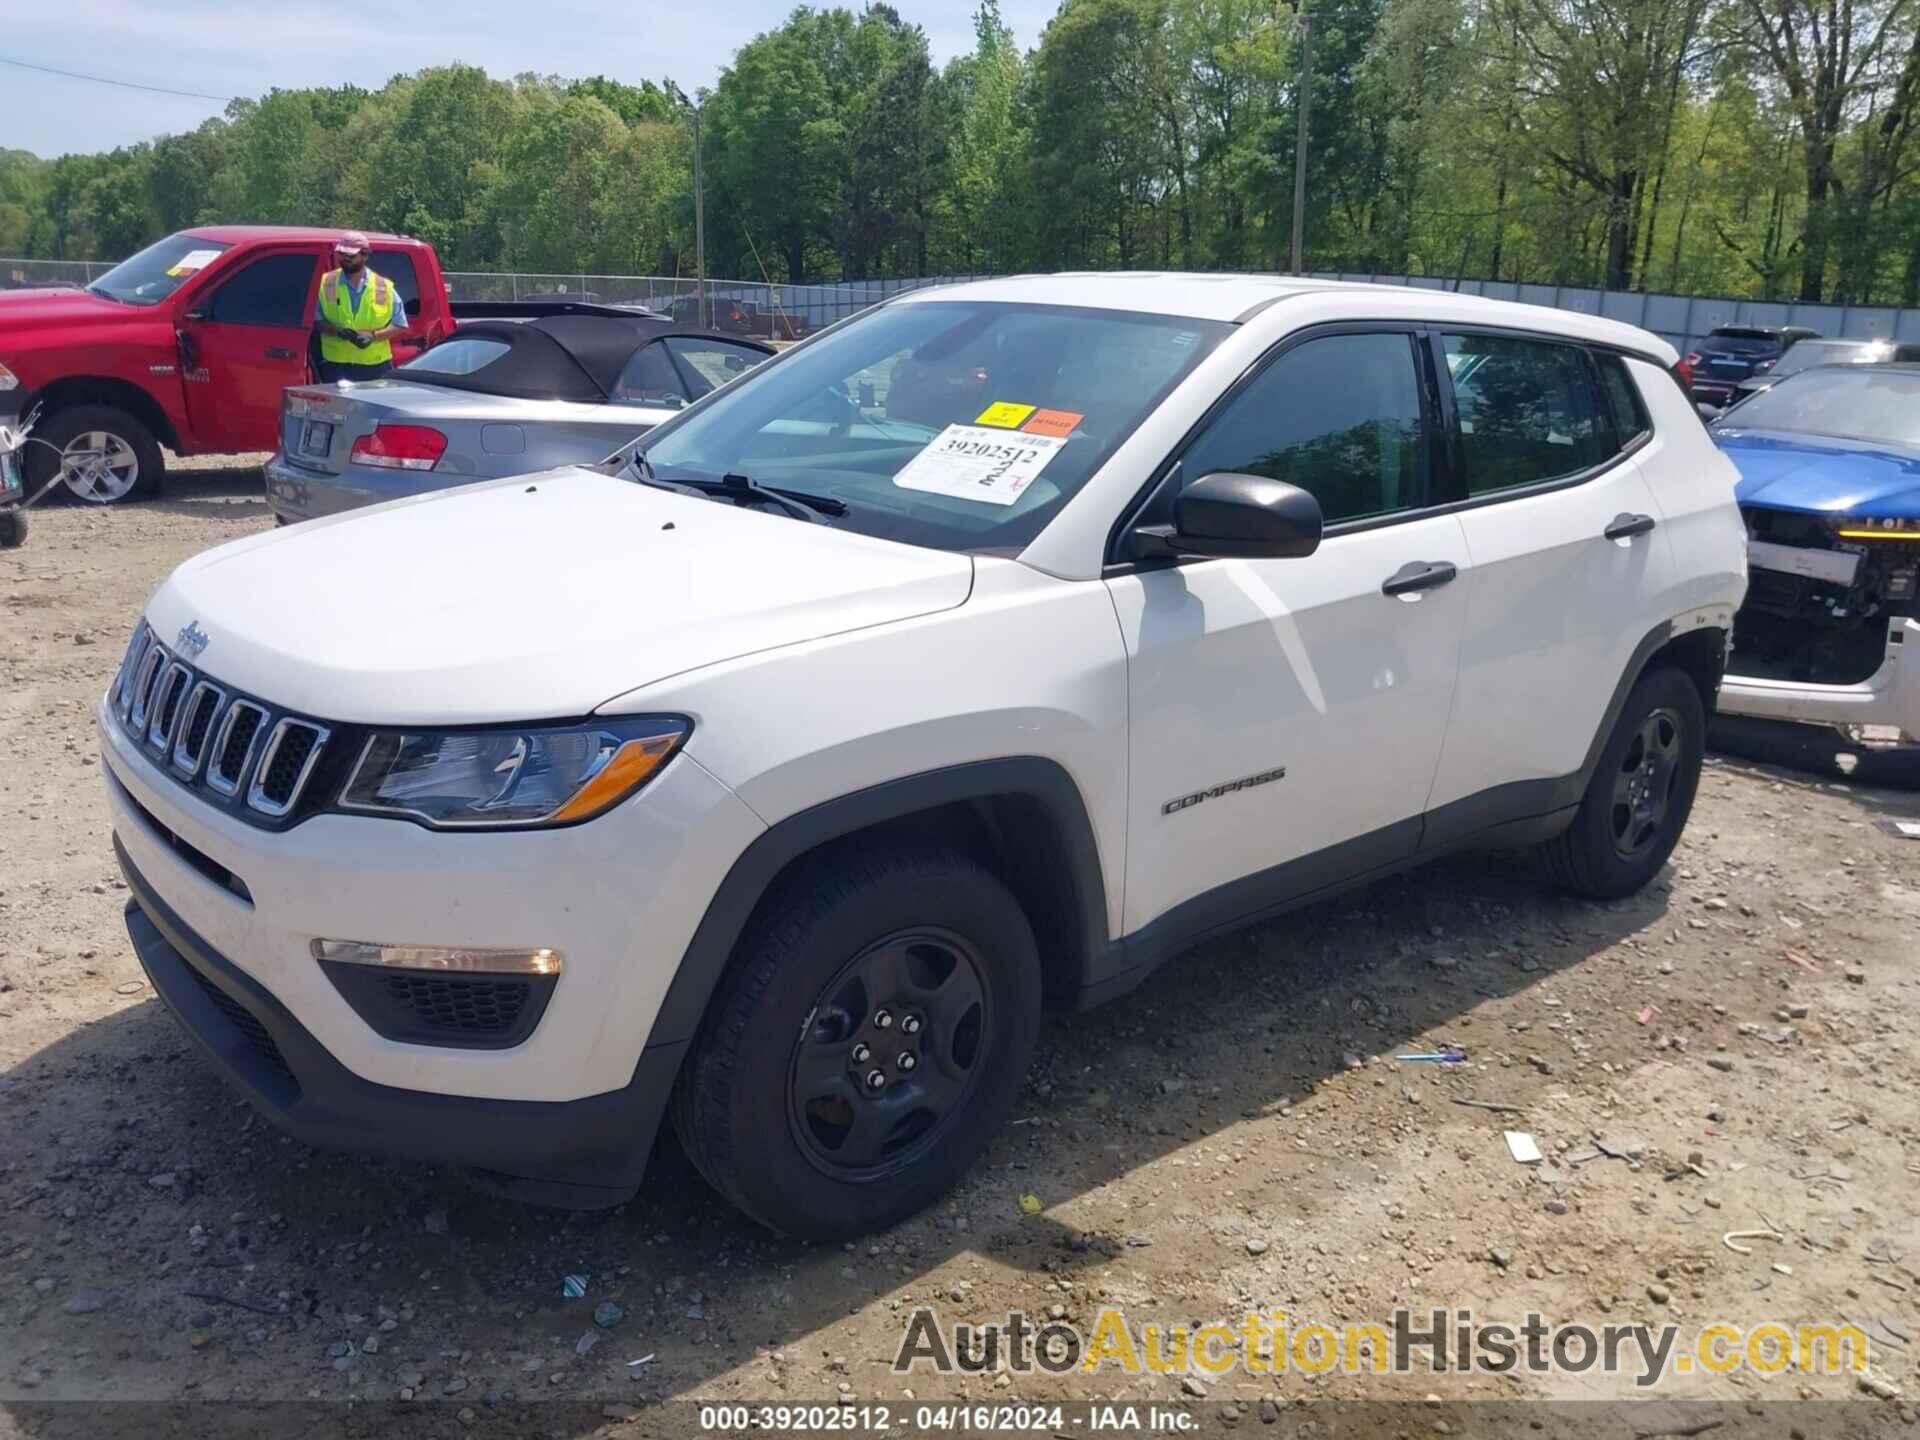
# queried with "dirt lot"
point(1235, 1135)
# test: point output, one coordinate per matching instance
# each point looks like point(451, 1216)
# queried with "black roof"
point(571, 356)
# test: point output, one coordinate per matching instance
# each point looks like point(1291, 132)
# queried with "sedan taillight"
point(400, 447)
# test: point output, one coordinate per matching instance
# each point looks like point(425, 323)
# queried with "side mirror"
point(1228, 516)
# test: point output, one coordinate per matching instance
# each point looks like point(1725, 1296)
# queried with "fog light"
point(464, 959)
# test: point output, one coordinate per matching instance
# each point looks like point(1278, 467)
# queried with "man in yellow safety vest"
point(356, 313)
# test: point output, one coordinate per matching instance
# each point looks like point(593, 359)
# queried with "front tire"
point(1641, 792)
point(13, 529)
point(865, 1045)
point(101, 454)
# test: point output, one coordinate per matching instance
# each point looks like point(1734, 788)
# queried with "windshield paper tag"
point(972, 463)
point(1003, 413)
point(1053, 422)
point(193, 260)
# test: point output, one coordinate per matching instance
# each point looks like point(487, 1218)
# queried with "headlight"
point(510, 777)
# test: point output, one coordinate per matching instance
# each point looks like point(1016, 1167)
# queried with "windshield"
point(159, 270)
point(1867, 403)
point(1809, 353)
point(954, 424)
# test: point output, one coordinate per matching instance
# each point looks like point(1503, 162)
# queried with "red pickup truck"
point(187, 345)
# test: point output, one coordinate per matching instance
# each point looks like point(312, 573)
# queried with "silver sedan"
point(497, 398)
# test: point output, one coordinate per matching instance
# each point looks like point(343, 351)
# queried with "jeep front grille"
point(291, 753)
point(240, 753)
point(195, 725)
point(233, 751)
point(164, 707)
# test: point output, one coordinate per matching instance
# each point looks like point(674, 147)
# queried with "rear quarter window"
point(1628, 410)
point(458, 356)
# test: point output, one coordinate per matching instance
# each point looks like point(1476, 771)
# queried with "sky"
point(219, 48)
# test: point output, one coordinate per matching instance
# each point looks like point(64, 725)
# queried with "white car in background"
point(977, 654)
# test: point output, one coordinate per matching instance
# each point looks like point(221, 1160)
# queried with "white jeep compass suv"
point(976, 655)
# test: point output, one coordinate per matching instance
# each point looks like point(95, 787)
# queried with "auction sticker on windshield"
point(970, 462)
point(1004, 414)
point(193, 260)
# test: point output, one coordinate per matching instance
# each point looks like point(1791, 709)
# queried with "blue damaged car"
point(1829, 463)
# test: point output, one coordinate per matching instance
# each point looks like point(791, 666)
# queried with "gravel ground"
point(1235, 1134)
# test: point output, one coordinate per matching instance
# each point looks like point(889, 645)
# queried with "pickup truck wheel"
point(101, 454)
point(1641, 792)
point(866, 1044)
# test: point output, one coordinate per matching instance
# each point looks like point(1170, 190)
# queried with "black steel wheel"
point(891, 1054)
point(1640, 793)
point(866, 1042)
point(1644, 785)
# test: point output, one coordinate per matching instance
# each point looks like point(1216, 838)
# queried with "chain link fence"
point(751, 307)
point(1681, 320)
point(26, 274)
point(785, 311)
point(779, 310)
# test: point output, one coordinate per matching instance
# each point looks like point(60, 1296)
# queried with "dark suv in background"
point(1810, 353)
point(1732, 353)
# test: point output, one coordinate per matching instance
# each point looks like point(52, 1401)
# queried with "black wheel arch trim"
point(1029, 777)
point(1522, 812)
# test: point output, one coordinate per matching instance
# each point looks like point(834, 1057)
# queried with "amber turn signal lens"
point(631, 764)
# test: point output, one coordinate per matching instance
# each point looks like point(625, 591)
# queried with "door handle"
point(279, 352)
point(1625, 527)
point(1417, 575)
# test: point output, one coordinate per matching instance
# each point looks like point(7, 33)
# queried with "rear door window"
point(1527, 411)
point(1339, 416)
point(273, 290)
point(397, 266)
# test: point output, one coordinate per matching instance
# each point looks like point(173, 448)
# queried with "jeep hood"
point(539, 597)
point(1821, 475)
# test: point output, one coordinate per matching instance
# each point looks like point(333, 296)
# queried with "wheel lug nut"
point(860, 1054)
point(910, 1025)
point(906, 1062)
point(876, 1080)
point(882, 1019)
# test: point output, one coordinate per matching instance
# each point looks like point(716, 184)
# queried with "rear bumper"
point(1889, 697)
point(295, 493)
point(583, 1153)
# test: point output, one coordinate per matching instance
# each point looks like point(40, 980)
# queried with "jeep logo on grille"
point(191, 640)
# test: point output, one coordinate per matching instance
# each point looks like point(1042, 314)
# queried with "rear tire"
point(1641, 793)
point(102, 454)
point(866, 1043)
point(13, 529)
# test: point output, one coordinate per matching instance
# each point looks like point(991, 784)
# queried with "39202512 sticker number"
point(970, 462)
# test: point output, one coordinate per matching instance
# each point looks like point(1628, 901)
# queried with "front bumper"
point(584, 1153)
point(620, 897)
point(1890, 697)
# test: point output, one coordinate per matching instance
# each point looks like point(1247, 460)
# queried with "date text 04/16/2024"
point(936, 1418)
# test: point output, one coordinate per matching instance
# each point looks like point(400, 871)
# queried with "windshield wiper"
point(744, 491)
